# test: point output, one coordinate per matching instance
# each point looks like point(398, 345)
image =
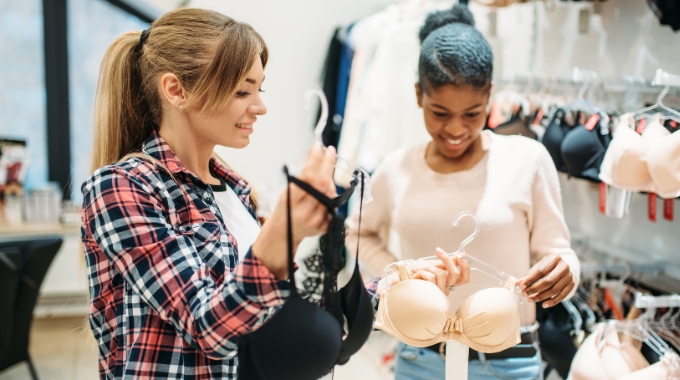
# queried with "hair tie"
point(143, 37)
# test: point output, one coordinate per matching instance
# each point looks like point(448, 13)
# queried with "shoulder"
point(133, 172)
point(401, 160)
point(520, 149)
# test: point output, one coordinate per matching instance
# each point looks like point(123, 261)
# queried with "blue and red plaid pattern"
point(169, 297)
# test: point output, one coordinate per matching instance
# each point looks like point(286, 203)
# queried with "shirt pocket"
point(205, 236)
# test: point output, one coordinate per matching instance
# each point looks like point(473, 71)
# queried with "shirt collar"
point(156, 147)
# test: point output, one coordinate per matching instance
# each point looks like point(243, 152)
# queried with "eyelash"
point(243, 94)
point(472, 115)
point(439, 114)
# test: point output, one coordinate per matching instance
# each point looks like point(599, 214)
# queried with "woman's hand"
point(453, 271)
point(308, 216)
point(550, 279)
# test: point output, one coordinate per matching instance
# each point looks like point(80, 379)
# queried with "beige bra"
point(602, 356)
point(649, 162)
point(416, 312)
point(668, 368)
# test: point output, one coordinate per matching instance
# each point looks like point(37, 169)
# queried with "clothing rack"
point(654, 269)
point(662, 78)
point(646, 301)
point(610, 85)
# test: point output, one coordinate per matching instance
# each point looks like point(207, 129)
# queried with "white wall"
point(297, 33)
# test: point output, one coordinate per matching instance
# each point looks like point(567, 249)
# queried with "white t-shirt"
point(237, 219)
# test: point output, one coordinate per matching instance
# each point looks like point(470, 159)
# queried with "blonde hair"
point(210, 53)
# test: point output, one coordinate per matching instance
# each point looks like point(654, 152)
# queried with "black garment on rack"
point(331, 132)
point(303, 341)
point(553, 137)
point(517, 125)
point(555, 334)
point(668, 12)
point(583, 149)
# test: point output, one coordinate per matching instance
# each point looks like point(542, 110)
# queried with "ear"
point(172, 91)
point(419, 95)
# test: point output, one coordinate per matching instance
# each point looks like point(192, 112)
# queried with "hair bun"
point(435, 20)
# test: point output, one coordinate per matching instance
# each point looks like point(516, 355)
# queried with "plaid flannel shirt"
point(169, 298)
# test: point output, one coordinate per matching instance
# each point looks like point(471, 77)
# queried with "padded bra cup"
point(552, 139)
point(602, 356)
point(627, 163)
point(416, 312)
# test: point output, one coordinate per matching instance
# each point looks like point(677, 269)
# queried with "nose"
point(455, 127)
point(258, 107)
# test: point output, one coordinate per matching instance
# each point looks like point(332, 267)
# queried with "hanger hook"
point(474, 233)
point(321, 124)
point(663, 94)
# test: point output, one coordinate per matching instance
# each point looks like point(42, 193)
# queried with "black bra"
point(583, 150)
point(302, 341)
point(553, 136)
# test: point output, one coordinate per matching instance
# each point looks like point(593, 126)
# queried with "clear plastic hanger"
point(659, 107)
point(475, 264)
point(340, 163)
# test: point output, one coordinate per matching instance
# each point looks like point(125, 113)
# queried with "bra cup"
point(297, 318)
point(490, 318)
point(664, 166)
point(358, 309)
point(629, 161)
point(425, 314)
point(552, 139)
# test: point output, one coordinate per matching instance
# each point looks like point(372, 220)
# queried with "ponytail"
point(122, 119)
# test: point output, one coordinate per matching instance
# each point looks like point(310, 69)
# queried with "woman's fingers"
point(464, 271)
point(453, 271)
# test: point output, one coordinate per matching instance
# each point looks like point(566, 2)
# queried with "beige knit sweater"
point(513, 191)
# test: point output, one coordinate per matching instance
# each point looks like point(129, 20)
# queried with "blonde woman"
point(179, 267)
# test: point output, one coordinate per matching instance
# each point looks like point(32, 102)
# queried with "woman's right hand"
point(453, 271)
point(308, 216)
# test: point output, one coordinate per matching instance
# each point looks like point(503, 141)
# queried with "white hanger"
point(475, 264)
point(661, 77)
point(340, 163)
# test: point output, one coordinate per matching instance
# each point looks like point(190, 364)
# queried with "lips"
point(454, 143)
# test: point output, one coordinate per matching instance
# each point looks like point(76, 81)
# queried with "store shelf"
point(37, 229)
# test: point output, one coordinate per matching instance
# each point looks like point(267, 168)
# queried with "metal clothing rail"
point(646, 301)
point(655, 268)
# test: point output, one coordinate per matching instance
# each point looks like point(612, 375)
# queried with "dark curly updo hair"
point(453, 51)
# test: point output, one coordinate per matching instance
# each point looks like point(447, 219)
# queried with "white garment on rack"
point(382, 114)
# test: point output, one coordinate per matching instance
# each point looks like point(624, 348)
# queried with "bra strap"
point(361, 211)
point(403, 272)
point(289, 219)
point(322, 198)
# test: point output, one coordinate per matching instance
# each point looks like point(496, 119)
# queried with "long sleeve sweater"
point(513, 191)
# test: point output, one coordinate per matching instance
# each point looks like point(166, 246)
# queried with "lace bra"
point(303, 341)
point(416, 312)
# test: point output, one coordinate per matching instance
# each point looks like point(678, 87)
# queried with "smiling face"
point(232, 126)
point(454, 117)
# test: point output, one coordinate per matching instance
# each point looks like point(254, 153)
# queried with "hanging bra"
point(583, 150)
point(303, 341)
point(602, 356)
point(631, 159)
point(416, 312)
point(553, 137)
point(665, 369)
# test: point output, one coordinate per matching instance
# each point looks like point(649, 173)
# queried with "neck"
point(193, 152)
point(442, 164)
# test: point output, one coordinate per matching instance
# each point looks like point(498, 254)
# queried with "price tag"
point(668, 209)
point(651, 207)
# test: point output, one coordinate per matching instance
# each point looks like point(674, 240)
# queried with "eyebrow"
point(468, 109)
point(252, 81)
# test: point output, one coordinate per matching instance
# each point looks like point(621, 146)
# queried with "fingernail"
point(524, 294)
point(531, 300)
point(522, 287)
point(546, 305)
point(331, 148)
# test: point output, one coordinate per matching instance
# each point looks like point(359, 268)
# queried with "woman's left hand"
point(550, 279)
point(453, 271)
